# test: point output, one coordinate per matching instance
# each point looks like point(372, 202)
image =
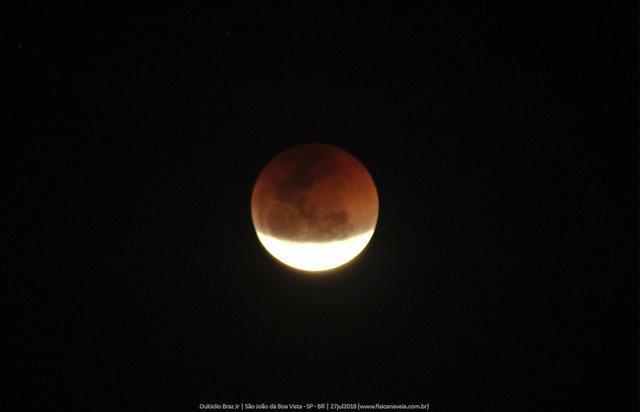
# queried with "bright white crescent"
point(314, 257)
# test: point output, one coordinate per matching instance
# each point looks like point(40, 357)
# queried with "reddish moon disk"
point(310, 202)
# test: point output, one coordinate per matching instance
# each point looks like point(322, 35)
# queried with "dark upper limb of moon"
point(304, 211)
point(313, 195)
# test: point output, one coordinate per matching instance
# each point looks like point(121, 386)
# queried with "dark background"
point(503, 143)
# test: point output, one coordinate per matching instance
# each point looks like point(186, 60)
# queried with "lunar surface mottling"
point(314, 193)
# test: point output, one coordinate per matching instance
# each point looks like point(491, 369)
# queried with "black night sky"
point(503, 143)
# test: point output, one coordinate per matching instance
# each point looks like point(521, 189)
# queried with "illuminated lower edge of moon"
point(315, 257)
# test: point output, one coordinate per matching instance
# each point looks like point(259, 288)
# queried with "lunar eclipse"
point(314, 207)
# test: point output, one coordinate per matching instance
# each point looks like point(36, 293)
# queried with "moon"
point(314, 207)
